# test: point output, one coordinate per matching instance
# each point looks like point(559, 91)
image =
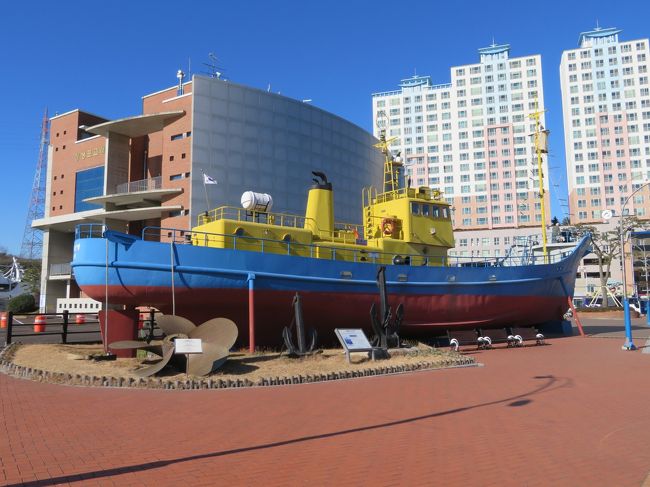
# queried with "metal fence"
point(60, 269)
point(65, 324)
point(141, 185)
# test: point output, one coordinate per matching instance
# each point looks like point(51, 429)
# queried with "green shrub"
point(22, 304)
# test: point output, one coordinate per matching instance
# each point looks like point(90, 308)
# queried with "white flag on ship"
point(208, 179)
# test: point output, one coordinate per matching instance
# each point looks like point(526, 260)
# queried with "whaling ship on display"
point(247, 264)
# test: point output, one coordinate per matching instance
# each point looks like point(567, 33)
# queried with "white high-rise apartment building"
point(606, 107)
point(471, 139)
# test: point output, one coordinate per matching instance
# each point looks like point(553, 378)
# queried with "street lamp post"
point(647, 295)
point(629, 344)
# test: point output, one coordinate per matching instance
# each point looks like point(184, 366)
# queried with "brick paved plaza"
point(572, 413)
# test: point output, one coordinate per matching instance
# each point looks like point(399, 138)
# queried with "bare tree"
point(606, 246)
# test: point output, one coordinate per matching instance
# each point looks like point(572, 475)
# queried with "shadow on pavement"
point(550, 383)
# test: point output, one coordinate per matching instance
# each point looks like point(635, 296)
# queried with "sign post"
point(188, 346)
point(353, 340)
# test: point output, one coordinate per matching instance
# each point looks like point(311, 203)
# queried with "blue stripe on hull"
point(148, 264)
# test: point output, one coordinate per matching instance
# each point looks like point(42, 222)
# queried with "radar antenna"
point(392, 163)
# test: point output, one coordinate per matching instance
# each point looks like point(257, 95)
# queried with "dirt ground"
point(74, 359)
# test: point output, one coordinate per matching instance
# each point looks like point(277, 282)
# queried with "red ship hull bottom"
point(424, 315)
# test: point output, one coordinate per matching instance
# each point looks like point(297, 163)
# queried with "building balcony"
point(139, 186)
point(60, 271)
point(145, 193)
point(68, 222)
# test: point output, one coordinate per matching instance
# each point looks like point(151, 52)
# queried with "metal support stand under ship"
point(247, 264)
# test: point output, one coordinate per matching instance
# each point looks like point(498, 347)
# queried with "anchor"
point(301, 349)
point(386, 329)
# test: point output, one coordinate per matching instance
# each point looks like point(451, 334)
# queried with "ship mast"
point(541, 147)
point(391, 165)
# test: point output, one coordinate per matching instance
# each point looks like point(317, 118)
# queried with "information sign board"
point(188, 345)
point(353, 339)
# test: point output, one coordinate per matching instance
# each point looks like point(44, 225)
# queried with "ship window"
point(436, 212)
point(445, 213)
point(426, 209)
point(415, 208)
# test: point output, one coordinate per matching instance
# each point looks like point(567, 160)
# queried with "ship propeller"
point(172, 325)
point(217, 336)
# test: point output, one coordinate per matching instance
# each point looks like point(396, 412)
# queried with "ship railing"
point(501, 261)
point(314, 250)
point(288, 247)
point(343, 232)
point(422, 192)
point(329, 252)
point(243, 215)
point(89, 230)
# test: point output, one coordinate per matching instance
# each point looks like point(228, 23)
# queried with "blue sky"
point(103, 56)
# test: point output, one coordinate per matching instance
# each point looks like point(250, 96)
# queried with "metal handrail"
point(243, 242)
point(286, 220)
point(140, 185)
point(89, 230)
point(63, 269)
point(430, 195)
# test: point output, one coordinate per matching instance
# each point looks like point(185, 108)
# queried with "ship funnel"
point(319, 217)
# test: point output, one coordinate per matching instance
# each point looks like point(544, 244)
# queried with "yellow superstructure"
point(402, 225)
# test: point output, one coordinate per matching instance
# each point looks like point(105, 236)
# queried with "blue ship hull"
point(210, 282)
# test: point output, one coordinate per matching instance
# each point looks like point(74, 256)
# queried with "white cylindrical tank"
point(253, 201)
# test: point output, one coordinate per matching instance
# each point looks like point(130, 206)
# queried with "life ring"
point(388, 226)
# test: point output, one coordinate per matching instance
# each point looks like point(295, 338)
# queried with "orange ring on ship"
point(387, 226)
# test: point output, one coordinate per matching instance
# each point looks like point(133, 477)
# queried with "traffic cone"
point(39, 324)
